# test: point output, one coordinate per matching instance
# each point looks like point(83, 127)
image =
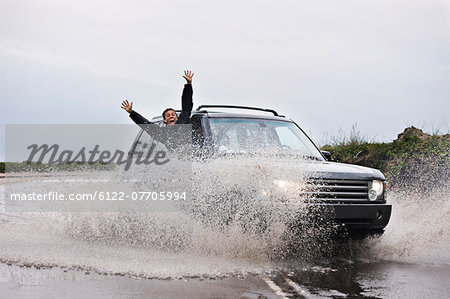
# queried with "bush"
point(418, 159)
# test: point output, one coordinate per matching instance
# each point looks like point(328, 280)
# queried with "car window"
point(234, 135)
point(148, 140)
point(288, 139)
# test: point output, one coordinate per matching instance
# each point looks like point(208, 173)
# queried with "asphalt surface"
point(336, 279)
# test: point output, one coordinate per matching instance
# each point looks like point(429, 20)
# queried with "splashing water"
point(229, 228)
point(418, 231)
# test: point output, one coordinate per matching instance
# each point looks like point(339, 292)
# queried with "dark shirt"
point(168, 135)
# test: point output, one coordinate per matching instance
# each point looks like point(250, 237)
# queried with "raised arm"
point(136, 117)
point(151, 128)
point(188, 76)
point(186, 99)
point(128, 107)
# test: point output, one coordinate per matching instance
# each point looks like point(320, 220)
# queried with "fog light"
point(379, 215)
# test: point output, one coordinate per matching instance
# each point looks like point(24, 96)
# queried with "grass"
point(415, 158)
point(41, 167)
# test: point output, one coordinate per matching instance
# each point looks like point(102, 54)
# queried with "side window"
point(144, 139)
point(147, 140)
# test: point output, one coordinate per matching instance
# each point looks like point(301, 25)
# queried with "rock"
point(413, 131)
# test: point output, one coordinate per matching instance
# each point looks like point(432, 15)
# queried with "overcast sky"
point(383, 65)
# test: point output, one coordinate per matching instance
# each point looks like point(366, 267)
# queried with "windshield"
point(235, 135)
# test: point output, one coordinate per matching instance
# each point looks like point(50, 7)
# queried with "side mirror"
point(326, 155)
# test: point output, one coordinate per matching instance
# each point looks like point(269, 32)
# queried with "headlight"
point(286, 191)
point(376, 189)
point(280, 183)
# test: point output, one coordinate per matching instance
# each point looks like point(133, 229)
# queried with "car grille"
point(336, 190)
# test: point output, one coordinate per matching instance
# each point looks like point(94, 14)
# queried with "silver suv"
point(355, 195)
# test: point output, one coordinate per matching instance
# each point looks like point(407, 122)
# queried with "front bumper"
point(361, 216)
point(356, 216)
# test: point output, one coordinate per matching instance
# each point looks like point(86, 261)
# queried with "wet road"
point(44, 257)
point(341, 279)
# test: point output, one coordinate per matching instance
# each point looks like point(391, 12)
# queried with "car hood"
point(333, 170)
point(306, 168)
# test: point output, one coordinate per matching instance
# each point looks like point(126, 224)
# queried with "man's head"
point(170, 116)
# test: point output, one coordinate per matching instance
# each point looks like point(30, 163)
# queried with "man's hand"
point(127, 106)
point(188, 76)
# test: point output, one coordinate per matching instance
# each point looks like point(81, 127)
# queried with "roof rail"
point(238, 107)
